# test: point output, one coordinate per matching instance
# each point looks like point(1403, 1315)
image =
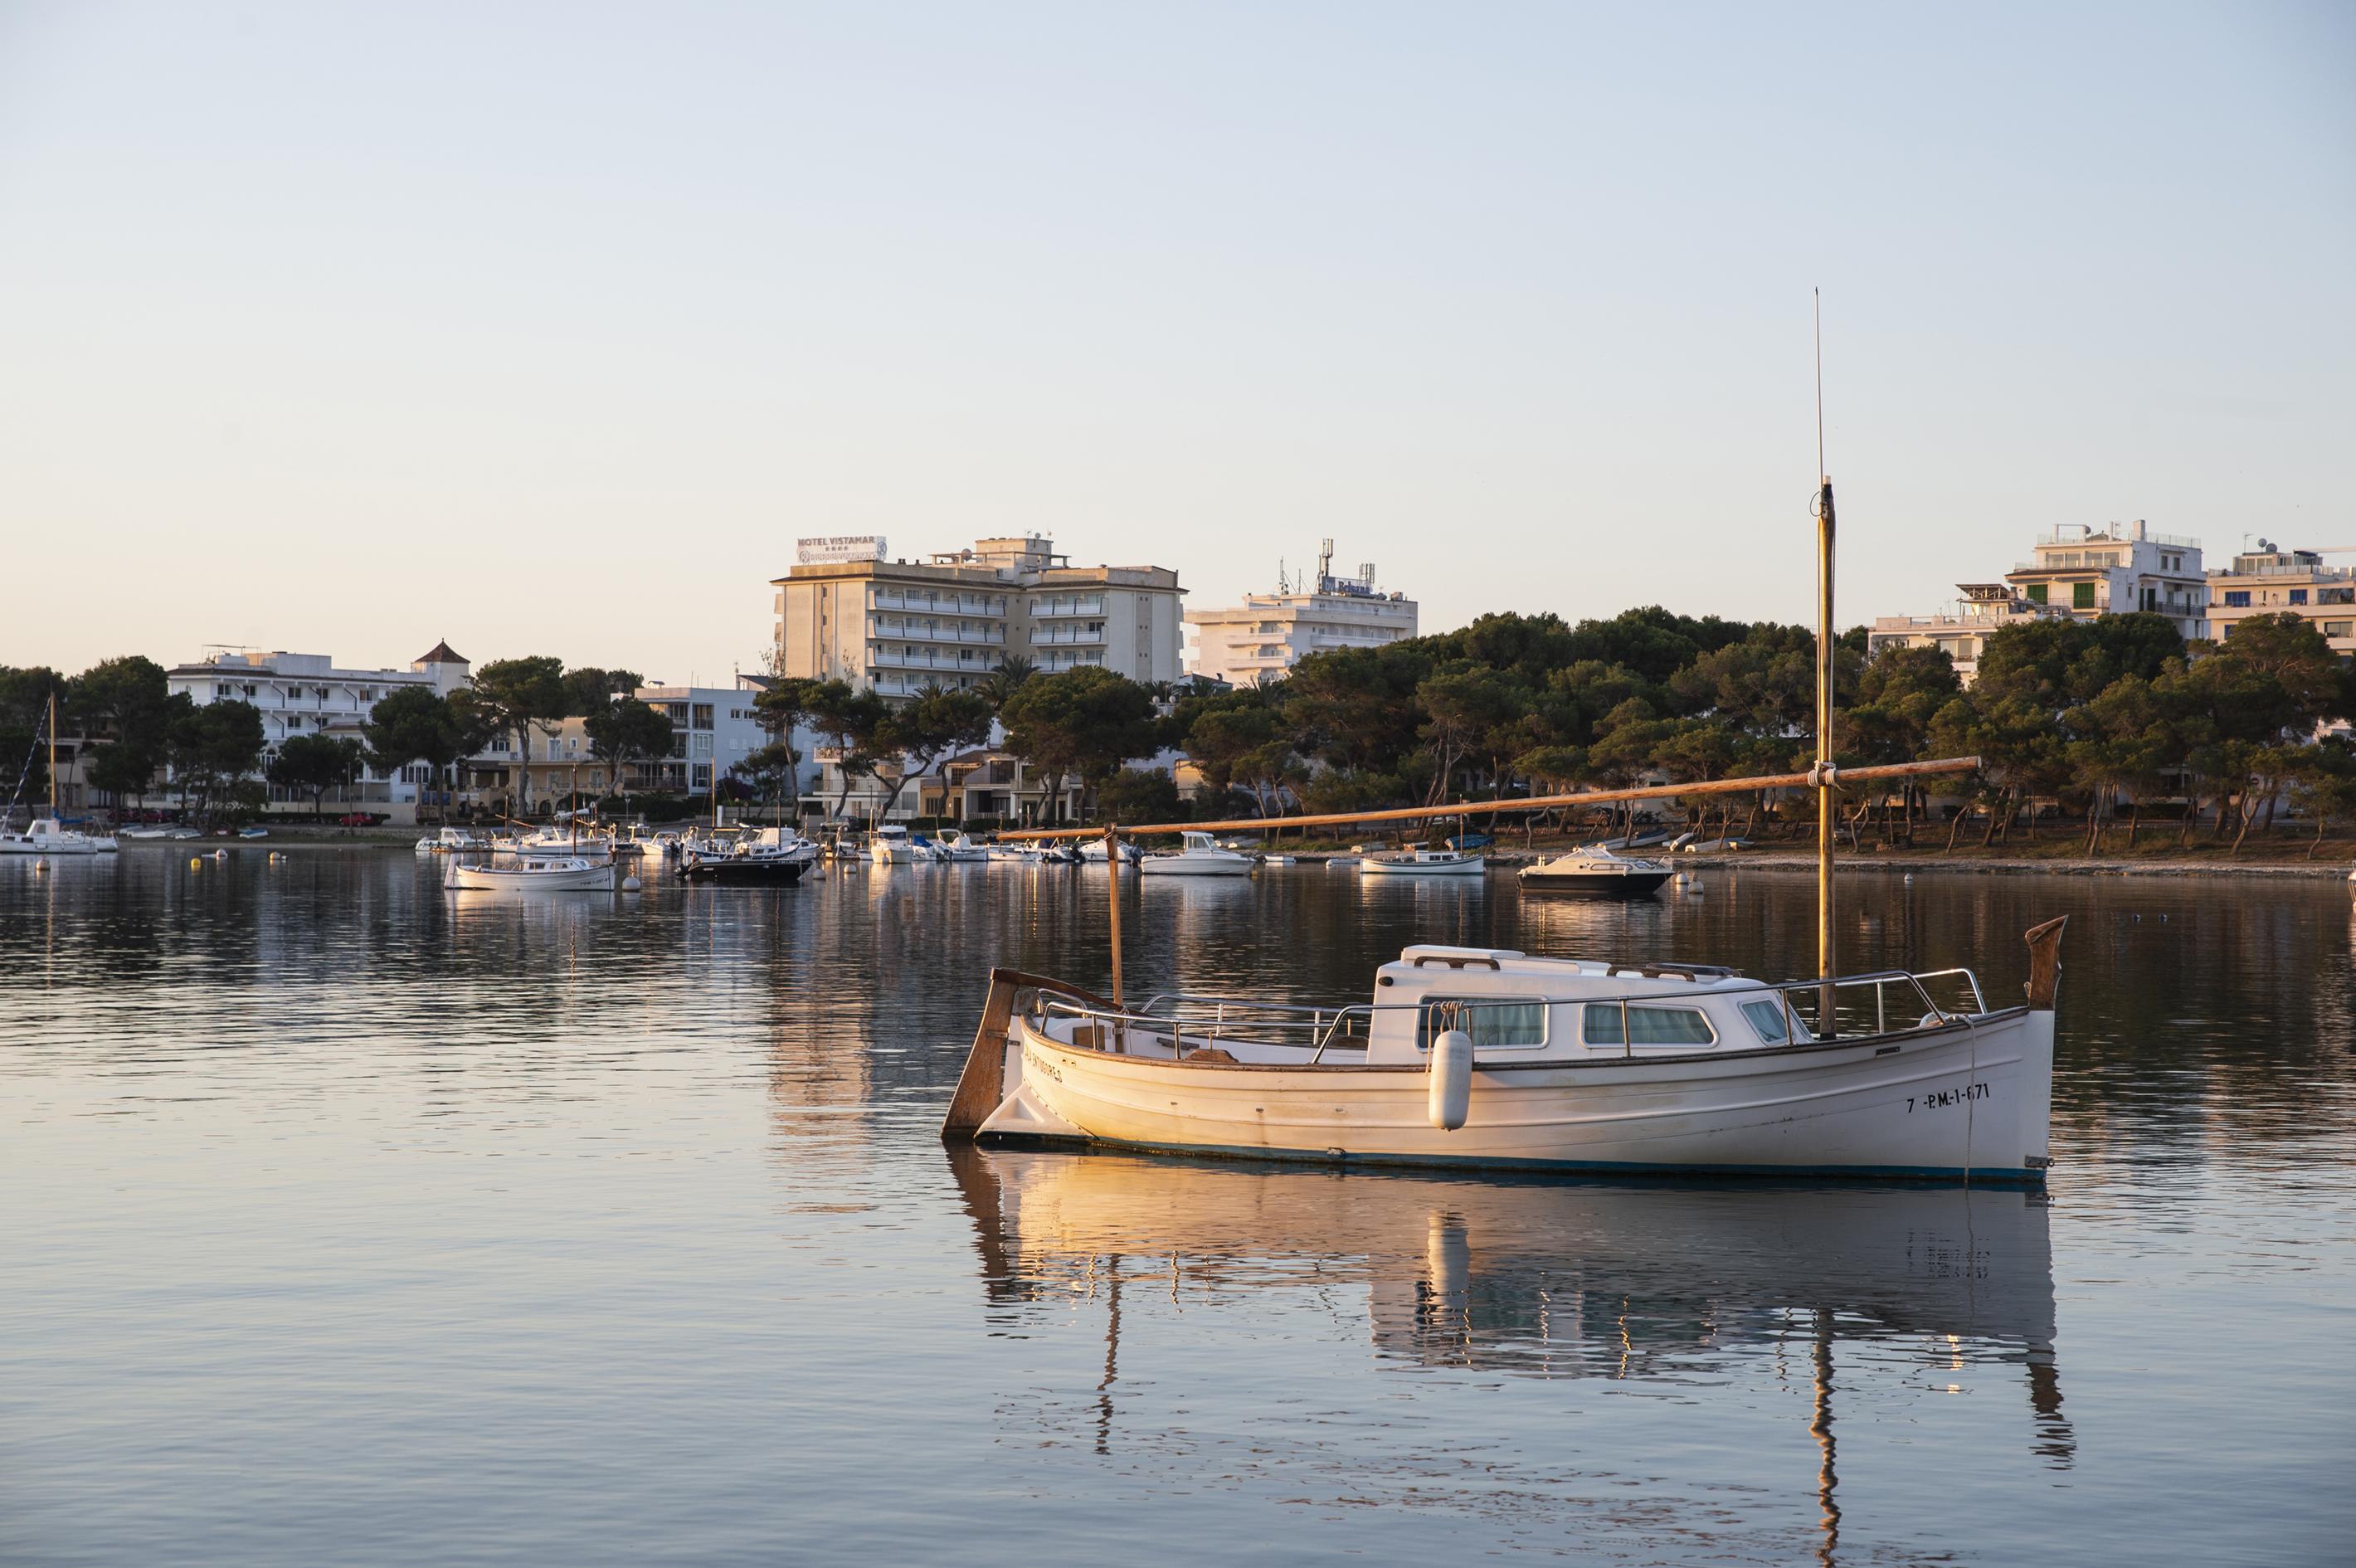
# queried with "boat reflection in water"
point(1547, 1278)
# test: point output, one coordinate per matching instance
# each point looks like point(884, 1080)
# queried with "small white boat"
point(1092, 852)
point(1201, 856)
point(1416, 861)
point(1489, 1057)
point(253, 832)
point(889, 844)
point(565, 873)
point(1016, 854)
point(566, 842)
point(962, 846)
point(151, 830)
point(49, 836)
point(1596, 872)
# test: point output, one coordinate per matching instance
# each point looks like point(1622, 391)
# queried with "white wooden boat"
point(1093, 851)
point(1596, 872)
point(1415, 860)
point(1200, 856)
point(1481, 1057)
point(49, 836)
point(563, 873)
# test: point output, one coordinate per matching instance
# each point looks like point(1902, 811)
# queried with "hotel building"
point(896, 627)
point(1985, 610)
point(2269, 581)
point(1267, 634)
point(2118, 569)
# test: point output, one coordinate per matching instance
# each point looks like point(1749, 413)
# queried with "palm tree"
point(1006, 678)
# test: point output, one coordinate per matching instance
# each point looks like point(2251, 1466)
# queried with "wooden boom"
point(1832, 777)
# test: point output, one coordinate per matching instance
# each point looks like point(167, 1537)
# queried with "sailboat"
point(1466, 1056)
point(48, 835)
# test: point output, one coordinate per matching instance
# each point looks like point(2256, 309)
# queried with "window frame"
point(1616, 1008)
point(1423, 1031)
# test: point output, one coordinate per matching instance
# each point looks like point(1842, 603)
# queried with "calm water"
point(349, 1222)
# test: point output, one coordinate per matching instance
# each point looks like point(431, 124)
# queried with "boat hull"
point(595, 878)
point(1963, 1101)
point(1182, 865)
point(733, 873)
point(1617, 885)
point(1371, 868)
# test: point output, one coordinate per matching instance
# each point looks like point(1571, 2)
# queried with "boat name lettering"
point(1033, 1062)
point(1940, 1098)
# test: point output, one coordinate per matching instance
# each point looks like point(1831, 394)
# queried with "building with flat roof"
point(1267, 634)
point(308, 693)
point(1985, 610)
point(845, 612)
point(2118, 569)
point(2271, 581)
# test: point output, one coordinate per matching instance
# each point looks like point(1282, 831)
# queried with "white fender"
point(1451, 1070)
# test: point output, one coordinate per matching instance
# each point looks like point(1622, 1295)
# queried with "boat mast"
point(1826, 803)
point(53, 756)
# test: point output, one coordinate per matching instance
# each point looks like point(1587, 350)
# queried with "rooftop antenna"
point(1826, 1026)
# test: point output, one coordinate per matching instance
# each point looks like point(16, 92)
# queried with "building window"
point(2340, 629)
point(2237, 598)
point(2298, 595)
point(2036, 592)
point(2082, 595)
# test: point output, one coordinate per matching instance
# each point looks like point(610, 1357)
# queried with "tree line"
point(2079, 716)
point(134, 729)
point(2076, 716)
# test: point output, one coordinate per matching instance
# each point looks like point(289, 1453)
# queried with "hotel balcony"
point(1045, 609)
point(937, 603)
point(1042, 637)
point(901, 658)
point(902, 632)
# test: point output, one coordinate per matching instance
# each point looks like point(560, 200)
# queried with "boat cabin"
point(1518, 1008)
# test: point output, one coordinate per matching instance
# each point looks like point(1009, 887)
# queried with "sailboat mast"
point(53, 756)
point(1826, 803)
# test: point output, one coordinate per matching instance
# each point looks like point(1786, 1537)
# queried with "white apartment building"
point(2270, 581)
point(1267, 634)
point(2116, 569)
point(1985, 610)
point(307, 694)
point(714, 730)
point(896, 627)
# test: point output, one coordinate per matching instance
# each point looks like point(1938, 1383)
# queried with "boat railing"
point(1209, 1019)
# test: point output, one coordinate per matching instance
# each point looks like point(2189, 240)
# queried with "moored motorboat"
point(1415, 860)
point(964, 847)
point(1596, 872)
point(1487, 1057)
point(1200, 855)
point(771, 856)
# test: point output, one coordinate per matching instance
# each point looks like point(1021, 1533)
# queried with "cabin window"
point(1493, 1025)
point(1650, 1025)
point(1767, 1017)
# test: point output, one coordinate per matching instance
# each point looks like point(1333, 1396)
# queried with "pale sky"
point(548, 329)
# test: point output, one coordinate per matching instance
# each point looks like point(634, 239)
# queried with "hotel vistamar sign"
point(838, 547)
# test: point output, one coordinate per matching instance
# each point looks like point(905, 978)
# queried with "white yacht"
point(1596, 872)
point(889, 844)
point(1200, 856)
point(964, 846)
point(49, 836)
